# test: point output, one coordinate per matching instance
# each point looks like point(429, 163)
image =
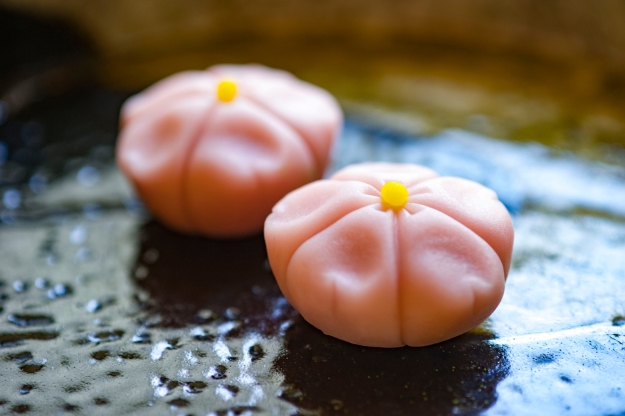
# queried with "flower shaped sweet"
point(390, 254)
point(212, 151)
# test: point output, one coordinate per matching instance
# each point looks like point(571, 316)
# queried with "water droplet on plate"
point(41, 283)
point(158, 349)
point(232, 313)
point(78, 235)
point(141, 272)
point(88, 176)
point(51, 259)
point(194, 387)
point(82, 255)
point(38, 183)
point(284, 326)
point(31, 368)
point(20, 286)
point(151, 256)
point(259, 290)
point(177, 403)
point(25, 320)
point(93, 306)
point(100, 401)
point(105, 336)
point(162, 385)
point(205, 316)
point(129, 355)
point(291, 394)
point(12, 199)
point(20, 408)
point(26, 388)
point(20, 357)
point(59, 290)
point(141, 338)
point(226, 391)
point(226, 327)
point(100, 355)
point(217, 372)
point(199, 334)
point(256, 352)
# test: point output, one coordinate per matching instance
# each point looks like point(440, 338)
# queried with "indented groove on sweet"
point(472, 205)
point(175, 87)
point(156, 161)
point(356, 256)
point(414, 276)
point(253, 172)
point(272, 134)
point(450, 278)
point(289, 107)
point(299, 215)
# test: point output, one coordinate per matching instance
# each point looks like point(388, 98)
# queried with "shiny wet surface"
point(104, 310)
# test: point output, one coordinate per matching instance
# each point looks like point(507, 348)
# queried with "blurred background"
point(552, 71)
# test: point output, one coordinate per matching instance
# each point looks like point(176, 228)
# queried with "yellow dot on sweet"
point(394, 195)
point(226, 91)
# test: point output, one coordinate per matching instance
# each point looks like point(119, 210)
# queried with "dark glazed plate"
point(105, 311)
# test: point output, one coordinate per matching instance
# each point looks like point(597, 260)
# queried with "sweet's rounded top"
point(391, 254)
point(242, 133)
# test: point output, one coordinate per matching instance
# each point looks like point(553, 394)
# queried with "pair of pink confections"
point(379, 254)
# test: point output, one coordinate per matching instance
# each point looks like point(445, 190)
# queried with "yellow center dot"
point(394, 195)
point(226, 91)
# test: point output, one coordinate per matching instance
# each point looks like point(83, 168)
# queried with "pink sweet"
point(212, 151)
point(388, 255)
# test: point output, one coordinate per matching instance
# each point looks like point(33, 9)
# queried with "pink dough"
point(206, 166)
point(377, 276)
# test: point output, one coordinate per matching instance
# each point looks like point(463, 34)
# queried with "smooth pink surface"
point(420, 275)
point(205, 166)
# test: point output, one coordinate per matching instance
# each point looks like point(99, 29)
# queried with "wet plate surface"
point(105, 311)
